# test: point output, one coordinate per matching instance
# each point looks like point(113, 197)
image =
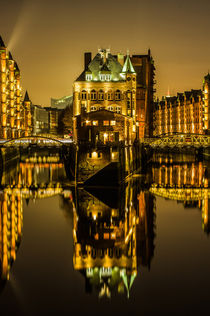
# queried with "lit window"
point(88, 77)
point(106, 123)
point(112, 123)
point(118, 95)
point(109, 96)
point(104, 77)
point(95, 123)
point(84, 95)
point(93, 95)
point(93, 108)
point(88, 123)
point(118, 109)
point(110, 108)
point(101, 95)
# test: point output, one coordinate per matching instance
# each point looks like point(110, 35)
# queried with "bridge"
point(178, 141)
point(36, 140)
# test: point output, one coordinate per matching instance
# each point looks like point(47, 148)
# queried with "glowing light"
point(94, 154)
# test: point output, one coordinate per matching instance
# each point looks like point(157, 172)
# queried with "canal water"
point(140, 249)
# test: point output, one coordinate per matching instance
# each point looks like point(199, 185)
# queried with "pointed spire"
point(2, 42)
point(128, 67)
point(26, 98)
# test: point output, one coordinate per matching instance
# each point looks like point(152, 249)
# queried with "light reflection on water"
point(107, 243)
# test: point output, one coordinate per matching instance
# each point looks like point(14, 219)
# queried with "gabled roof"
point(128, 67)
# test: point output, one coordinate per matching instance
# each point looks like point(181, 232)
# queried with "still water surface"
point(143, 248)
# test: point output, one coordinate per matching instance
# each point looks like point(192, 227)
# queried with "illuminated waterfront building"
point(10, 95)
point(13, 113)
point(180, 114)
point(187, 113)
point(112, 97)
point(206, 101)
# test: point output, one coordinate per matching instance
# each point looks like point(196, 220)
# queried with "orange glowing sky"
point(48, 39)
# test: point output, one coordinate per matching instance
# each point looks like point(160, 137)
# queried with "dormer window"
point(105, 77)
point(89, 77)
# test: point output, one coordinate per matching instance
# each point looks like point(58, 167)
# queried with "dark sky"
point(48, 38)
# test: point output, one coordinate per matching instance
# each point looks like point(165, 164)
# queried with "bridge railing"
point(46, 139)
point(178, 141)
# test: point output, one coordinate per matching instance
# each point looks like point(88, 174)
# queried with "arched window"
point(100, 95)
point(109, 95)
point(117, 95)
point(84, 95)
point(93, 108)
point(93, 95)
point(110, 108)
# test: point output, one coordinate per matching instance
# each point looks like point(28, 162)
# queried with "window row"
point(116, 109)
point(104, 123)
point(101, 95)
point(102, 77)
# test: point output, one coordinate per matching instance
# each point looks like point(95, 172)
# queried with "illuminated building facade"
point(180, 114)
point(15, 116)
point(113, 84)
point(206, 101)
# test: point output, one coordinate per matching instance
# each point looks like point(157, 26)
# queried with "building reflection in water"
point(39, 176)
point(113, 230)
point(113, 235)
point(182, 178)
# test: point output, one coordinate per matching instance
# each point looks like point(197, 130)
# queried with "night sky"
point(48, 38)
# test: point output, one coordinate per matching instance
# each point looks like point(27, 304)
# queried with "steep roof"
point(2, 42)
point(128, 67)
point(26, 98)
point(100, 63)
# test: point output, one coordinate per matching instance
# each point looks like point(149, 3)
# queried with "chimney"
point(87, 59)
